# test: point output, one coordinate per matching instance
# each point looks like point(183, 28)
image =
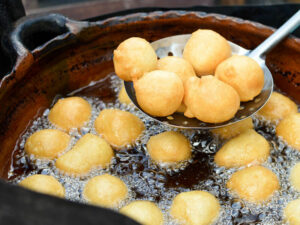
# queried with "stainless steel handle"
point(287, 28)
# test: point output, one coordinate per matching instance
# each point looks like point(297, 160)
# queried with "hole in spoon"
point(257, 100)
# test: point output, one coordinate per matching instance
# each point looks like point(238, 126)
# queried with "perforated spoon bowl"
point(174, 45)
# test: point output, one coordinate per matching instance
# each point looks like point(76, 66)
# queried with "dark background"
point(82, 9)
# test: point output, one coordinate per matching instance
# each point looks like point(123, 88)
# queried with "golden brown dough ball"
point(134, 57)
point(144, 212)
point(71, 112)
point(195, 208)
point(89, 152)
point(254, 184)
point(292, 212)
point(47, 144)
point(289, 130)
point(177, 65)
point(205, 50)
point(105, 190)
point(182, 108)
point(123, 97)
point(295, 176)
point(118, 127)
point(243, 74)
point(278, 107)
point(180, 67)
point(248, 147)
point(44, 184)
point(210, 100)
point(234, 129)
point(159, 93)
point(169, 147)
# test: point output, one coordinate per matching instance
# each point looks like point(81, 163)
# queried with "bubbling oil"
point(161, 183)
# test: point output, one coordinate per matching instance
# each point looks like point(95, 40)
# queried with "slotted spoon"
point(174, 45)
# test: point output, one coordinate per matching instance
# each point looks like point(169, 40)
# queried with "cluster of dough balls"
point(117, 128)
point(171, 84)
point(248, 148)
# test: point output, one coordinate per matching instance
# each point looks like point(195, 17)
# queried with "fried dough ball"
point(105, 190)
point(254, 184)
point(295, 176)
point(180, 67)
point(248, 147)
point(169, 147)
point(144, 212)
point(234, 129)
point(289, 130)
point(195, 208)
point(123, 97)
point(47, 144)
point(182, 108)
point(134, 57)
point(44, 184)
point(205, 50)
point(292, 212)
point(118, 127)
point(176, 65)
point(278, 107)
point(89, 152)
point(210, 100)
point(243, 74)
point(159, 93)
point(71, 112)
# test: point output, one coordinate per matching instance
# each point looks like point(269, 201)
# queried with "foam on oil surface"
point(147, 181)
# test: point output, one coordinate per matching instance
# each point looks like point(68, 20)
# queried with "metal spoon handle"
point(287, 28)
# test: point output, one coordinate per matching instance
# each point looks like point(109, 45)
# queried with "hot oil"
point(161, 183)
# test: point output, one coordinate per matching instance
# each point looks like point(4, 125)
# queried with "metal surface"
point(174, 46)
point(287, 28)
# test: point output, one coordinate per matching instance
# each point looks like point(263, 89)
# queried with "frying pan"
point(46, 55)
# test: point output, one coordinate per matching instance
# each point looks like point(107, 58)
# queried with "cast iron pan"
point(20, 206)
